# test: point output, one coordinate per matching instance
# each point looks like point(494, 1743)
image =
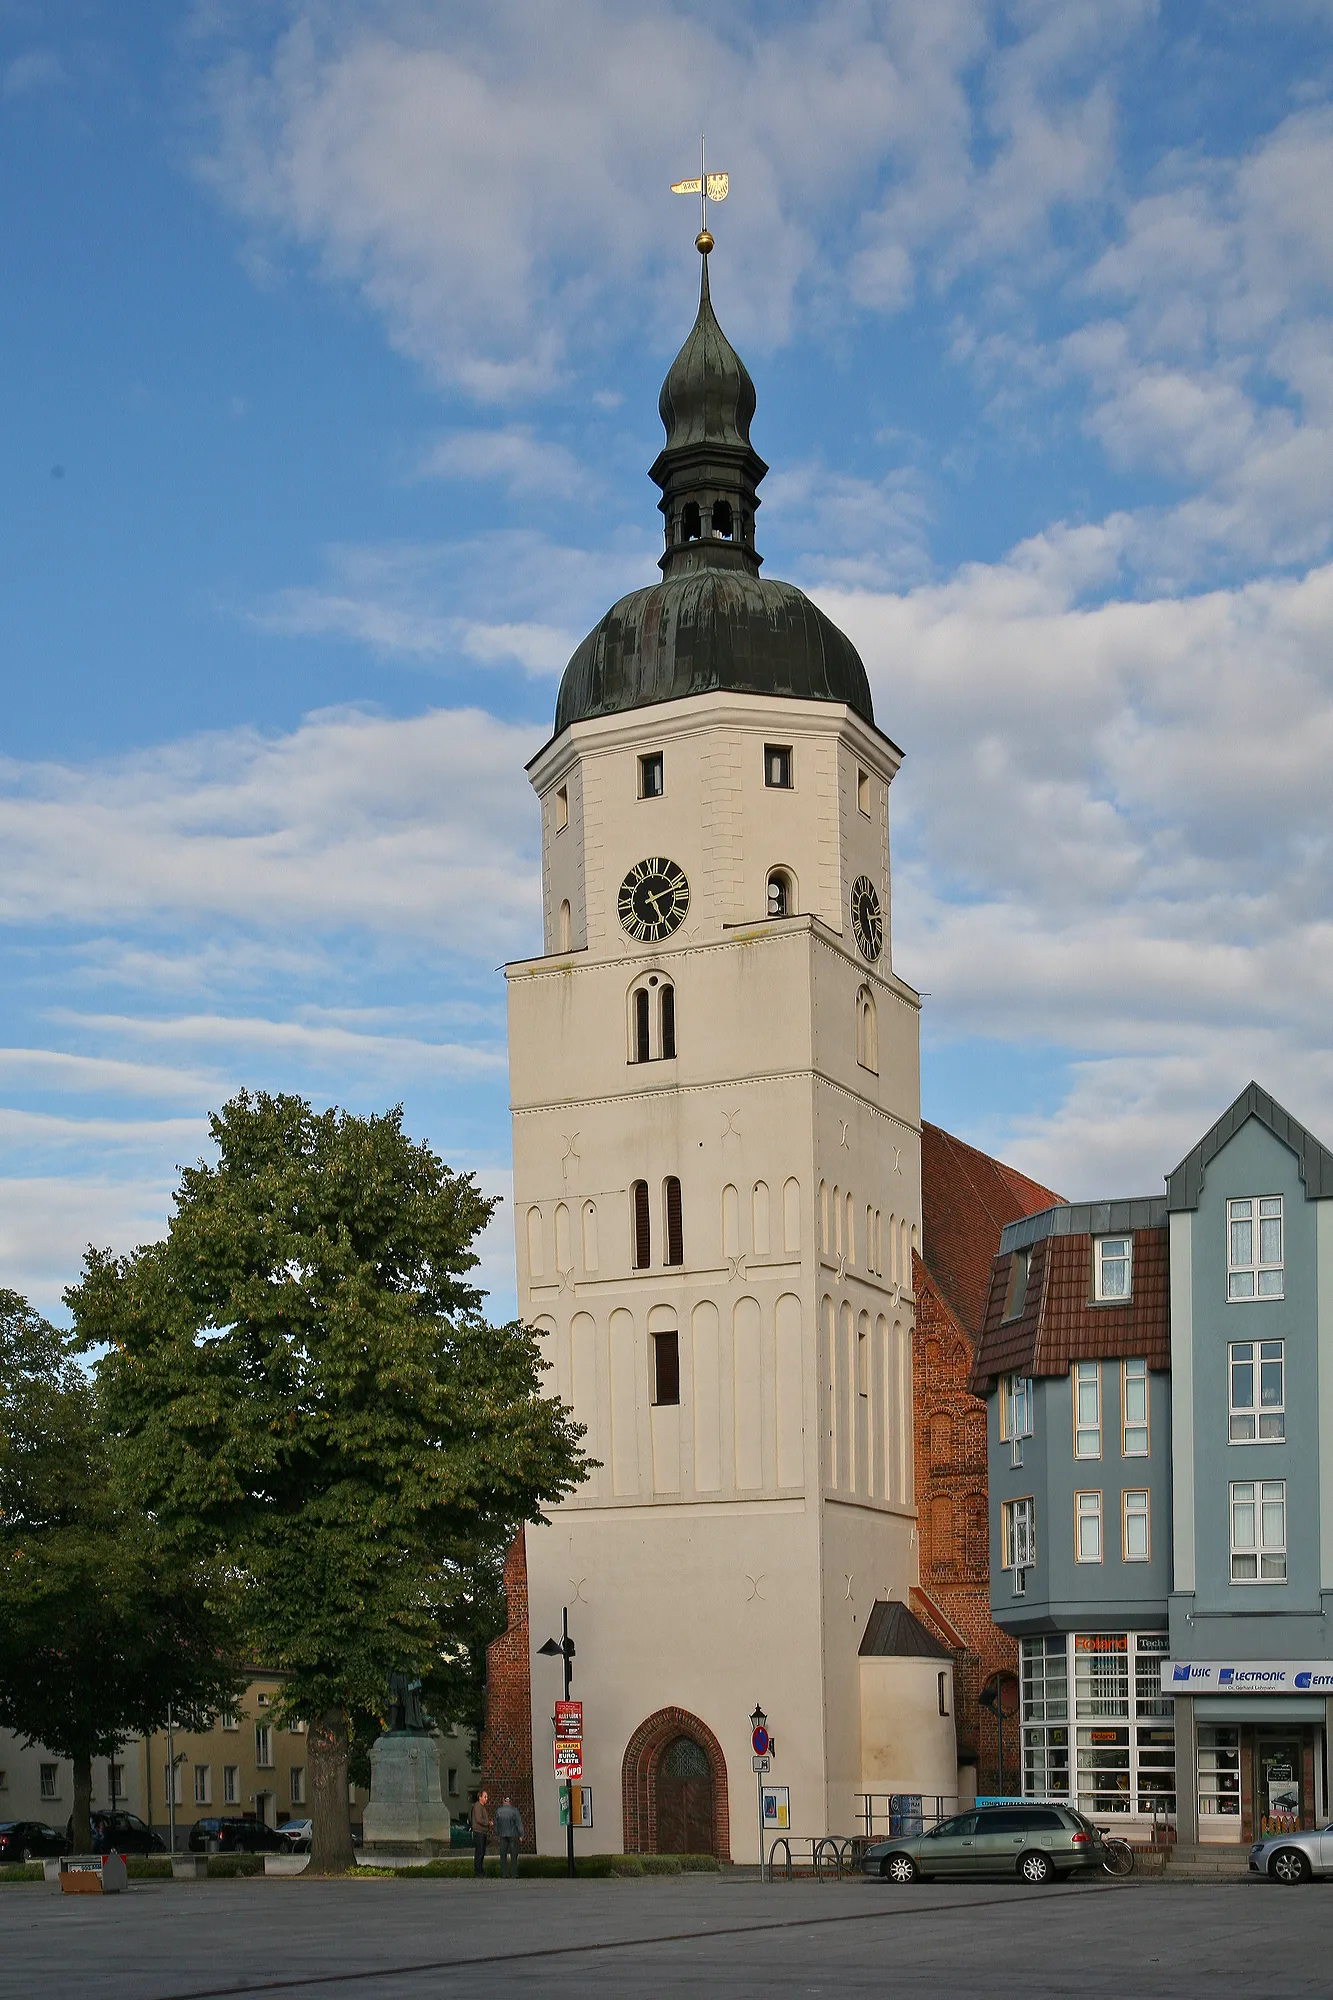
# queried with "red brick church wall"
point(506, 1742)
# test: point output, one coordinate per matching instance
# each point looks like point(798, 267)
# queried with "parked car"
point(1036, 1843)
point(242, 1834)
point(1294, 1857)
point(295, 1835)
point(119, 1833)
point(30, 1840)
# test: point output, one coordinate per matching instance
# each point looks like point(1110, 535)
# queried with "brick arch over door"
point(638, 1778)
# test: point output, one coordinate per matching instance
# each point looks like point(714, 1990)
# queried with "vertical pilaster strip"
point(1323, 1225)
point(1182, 1399)
point(1187, 1770)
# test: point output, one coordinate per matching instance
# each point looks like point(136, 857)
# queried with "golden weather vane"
point(708, 187)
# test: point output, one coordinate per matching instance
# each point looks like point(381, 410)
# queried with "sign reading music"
point(1247, 1677)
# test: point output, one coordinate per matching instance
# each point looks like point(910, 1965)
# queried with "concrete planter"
point(286, 1864)
point(189, 1867)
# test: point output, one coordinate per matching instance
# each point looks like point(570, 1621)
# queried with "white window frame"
point(48, 1776)
point(1086, 1375)
point(1100, 1246)
point(1256, 1355)
point(203, 1784)
point(1018, 1525)
point(1266, 1276)
point(229, 1719)
point(297, 1785)
point(263, 1746)
point(231, 1784)
point(1266, 1502)
point(1088, 1512)
point(1136, 1513)
point(1140, 1367)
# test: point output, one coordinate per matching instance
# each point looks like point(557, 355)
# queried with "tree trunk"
point(327, 1746)
point(83, 1798)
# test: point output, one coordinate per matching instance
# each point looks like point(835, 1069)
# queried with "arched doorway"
point(684, 1799)
point(674, 1788)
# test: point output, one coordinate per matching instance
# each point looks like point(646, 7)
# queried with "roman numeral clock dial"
point(653, 899)
point(867, 918)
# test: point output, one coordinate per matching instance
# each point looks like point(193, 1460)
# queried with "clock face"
point(867, 918)
point(653, 899)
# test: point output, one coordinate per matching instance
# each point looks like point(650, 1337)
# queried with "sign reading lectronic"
point(1247, 1676)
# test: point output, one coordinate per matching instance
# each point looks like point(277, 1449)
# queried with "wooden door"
point(684, 1800)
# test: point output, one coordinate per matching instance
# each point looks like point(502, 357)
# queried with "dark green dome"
point(706, 629)
point(712, 623)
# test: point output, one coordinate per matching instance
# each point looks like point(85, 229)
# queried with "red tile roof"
point(966, 1199)
point(1060, 1323)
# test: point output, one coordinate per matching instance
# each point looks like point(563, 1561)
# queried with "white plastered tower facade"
point(717, 1191)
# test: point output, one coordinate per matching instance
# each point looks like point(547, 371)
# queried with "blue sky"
point(330, 340)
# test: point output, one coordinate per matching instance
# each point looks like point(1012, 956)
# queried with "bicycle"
point(1117, 1856)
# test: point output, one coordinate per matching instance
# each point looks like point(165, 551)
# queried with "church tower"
point(715, 1093)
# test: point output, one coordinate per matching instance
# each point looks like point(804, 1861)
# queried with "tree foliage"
point(103, 1625)
point(303, 1382)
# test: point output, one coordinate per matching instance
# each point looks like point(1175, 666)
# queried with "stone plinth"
point(407, 1814)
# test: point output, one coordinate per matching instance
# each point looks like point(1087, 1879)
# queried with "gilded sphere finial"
point(703, 242)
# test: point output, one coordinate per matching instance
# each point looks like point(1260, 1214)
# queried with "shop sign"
point(1101, 1642)
point(1247, 1677)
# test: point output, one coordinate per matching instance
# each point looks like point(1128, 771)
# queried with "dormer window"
point(1112, 1268)
point(722, 522)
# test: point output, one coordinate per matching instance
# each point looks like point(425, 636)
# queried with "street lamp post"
point(758, 1729)
point(563, 1647)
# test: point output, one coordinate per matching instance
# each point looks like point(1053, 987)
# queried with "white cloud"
point(423, 825)
point(514, 456)
point(498, 193)
point(37, 69)
point(346, 1049)
point(1114, 833)
point(47, 1221)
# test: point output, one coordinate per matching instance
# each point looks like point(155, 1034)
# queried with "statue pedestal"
point(407, 1814)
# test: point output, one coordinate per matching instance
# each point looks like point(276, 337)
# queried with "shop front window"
point(1219, 1772)
point(1044, 1680)
point(1123, 1726)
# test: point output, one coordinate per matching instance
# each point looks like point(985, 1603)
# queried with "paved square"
point(405, 1940)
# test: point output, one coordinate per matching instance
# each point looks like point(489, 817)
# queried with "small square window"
point(561, 814)
point(777, 767)
point(1112, 1267)
point(650, 776)
point(863, 792)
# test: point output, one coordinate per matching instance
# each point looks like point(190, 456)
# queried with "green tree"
point(305, 1385)
point(103, 1627)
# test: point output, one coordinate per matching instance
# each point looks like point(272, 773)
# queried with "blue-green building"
point(1159, 1381)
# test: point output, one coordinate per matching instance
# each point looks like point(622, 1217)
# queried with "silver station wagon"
point(1035, 1843)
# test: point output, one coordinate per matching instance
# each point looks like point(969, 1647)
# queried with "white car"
point(296, 1835)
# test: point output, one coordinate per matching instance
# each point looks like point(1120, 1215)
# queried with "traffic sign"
point(569, 1757)
point(569, 1718)
point(761, 1763)
point(760, 1741)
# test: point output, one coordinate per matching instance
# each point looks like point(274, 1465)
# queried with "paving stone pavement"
point(389, 1940)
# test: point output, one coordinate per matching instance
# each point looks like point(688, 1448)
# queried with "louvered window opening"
point(675, 1237)
point(643, 1231)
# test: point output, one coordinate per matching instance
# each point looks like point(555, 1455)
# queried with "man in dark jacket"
point(509, 1831)
point(481, 1832)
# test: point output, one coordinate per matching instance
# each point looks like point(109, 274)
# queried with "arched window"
point(641, 1226)
point(722, 522)
point(652, 1019)
point(564, 927)
point(690, 528)
point(675, 1236)
point(781, 894)
point(867, 1031)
